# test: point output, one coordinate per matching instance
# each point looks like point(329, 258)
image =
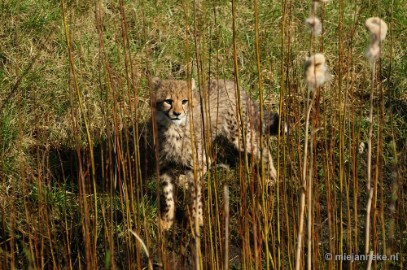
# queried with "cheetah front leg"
point(195, 189)
point(168, 204)
point(265, 157)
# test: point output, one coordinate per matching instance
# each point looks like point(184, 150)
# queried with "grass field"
point(78, 183)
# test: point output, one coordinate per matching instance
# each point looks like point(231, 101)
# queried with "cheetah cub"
point(183, 124)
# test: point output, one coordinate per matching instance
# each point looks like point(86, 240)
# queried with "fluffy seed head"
point(315, 24)
point(377, 28)
point(316, 70)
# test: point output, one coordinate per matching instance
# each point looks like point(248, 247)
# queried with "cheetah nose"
point(177, 113)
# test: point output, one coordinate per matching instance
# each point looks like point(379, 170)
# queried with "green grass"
point(50, 214)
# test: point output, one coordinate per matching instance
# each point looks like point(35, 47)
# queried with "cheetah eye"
point(185, 101)
point(168, 101)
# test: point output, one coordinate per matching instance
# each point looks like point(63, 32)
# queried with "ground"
point(77, 173)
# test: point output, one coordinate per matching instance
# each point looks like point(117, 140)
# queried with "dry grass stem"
point(377, 29)
point(227, 217)
point(150, 264)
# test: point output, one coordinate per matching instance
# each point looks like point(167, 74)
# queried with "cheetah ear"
point(155, 83)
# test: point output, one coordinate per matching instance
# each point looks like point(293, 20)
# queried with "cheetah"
point(183, 123)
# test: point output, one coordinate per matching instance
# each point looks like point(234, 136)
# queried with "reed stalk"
point(310, 102)
point(227, 217)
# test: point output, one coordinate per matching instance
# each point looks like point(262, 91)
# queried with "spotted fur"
point(182, 124)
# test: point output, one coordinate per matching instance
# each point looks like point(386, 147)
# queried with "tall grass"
point(78, 171)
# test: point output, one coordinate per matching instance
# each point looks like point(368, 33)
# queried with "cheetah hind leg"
point(271, 173)
point(265, 156)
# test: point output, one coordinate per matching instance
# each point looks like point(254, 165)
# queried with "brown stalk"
point(90, 250)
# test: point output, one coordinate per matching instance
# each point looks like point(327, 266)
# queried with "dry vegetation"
point(78, 187)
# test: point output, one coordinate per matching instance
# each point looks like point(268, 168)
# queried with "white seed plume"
point(377, 29)
point(316, 70)
point(315, 24)
point(373, 52)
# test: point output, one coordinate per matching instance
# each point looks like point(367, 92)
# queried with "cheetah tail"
point(272, 119)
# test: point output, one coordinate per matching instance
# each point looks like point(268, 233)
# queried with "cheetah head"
point(172, 100)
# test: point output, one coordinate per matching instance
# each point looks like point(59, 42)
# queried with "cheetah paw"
point(166, 224)
point(199, 221)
